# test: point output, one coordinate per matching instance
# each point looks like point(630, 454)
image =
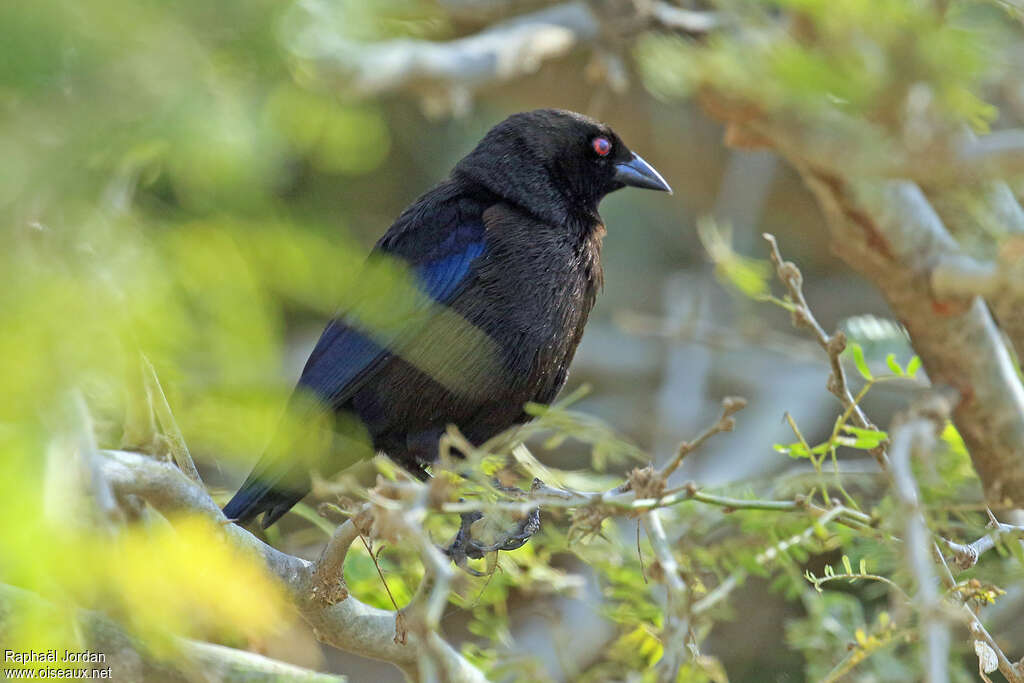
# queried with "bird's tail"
point(268, 493)
point(308, 439)
point(281, 477)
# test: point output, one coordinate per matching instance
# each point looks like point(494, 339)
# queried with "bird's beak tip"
point(638, 173)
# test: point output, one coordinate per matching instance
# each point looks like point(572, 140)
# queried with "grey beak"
point(638, 173)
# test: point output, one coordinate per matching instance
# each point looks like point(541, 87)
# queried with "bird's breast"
point(536, 287)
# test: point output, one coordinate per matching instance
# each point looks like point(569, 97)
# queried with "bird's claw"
point(464, 547)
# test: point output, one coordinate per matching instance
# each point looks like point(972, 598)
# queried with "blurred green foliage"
point(151, 156)
point(866, 73)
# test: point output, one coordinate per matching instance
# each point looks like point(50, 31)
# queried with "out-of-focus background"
point(201, 180)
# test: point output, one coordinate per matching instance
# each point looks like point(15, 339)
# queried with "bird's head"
point(556, 163)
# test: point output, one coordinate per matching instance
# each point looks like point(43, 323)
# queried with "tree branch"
point(446, 72)
point(348, 624)
point(917, 437)
point(964, 276)
point(1000, 153)
point(999, 279)
point(506, 50)
point(128, 659)
point(689, 21)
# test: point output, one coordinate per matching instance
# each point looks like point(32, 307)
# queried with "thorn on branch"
point(164, 415)
point(967, 555)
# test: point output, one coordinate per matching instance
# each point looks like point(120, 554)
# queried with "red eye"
point(602, 146)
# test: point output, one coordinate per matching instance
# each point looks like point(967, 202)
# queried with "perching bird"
point(507, 251)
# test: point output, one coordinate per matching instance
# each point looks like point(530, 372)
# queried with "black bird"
point(507, 251)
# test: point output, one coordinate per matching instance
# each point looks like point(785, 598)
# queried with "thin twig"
point(725, 423)
point(677, 623)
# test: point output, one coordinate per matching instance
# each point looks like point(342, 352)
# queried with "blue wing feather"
point(344, 357)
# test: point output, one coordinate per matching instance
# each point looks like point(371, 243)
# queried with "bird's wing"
point(441, 253)
point(345, 357)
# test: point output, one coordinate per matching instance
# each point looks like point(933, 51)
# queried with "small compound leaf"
point(858, 359)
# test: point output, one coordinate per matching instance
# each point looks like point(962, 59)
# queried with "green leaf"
point(858, 359)
point(953, 439)
point(865, 432)
point(913, 366)
point(864, 439)
point(793, 450)
point(846, 564)
point(890, 360)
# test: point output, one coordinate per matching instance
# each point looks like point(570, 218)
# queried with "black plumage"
point(507, 251)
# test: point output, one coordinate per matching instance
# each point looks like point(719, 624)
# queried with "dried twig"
point(725, 423)
point(832, 344)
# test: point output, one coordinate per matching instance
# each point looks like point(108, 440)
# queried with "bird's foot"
point(480, 535)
